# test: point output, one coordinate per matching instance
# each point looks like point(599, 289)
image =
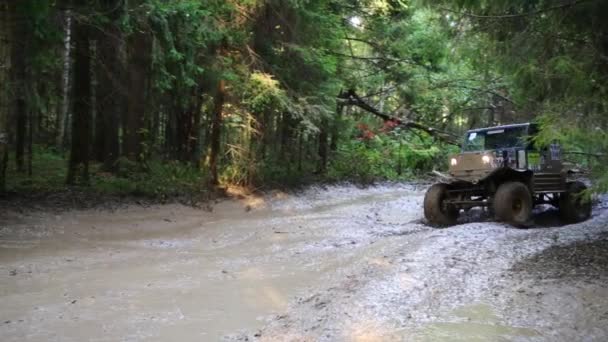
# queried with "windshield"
point(494, 139)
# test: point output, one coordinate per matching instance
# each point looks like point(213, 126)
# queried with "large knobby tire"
point(513, 203)
point(434, 209)
point(573, 206)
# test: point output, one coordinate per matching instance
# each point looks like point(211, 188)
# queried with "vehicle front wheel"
point(573, 206)
point(513, 203)
point(435, 209)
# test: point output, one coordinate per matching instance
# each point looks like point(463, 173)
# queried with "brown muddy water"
point(335, 264)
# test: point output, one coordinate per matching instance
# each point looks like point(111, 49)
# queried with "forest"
point(158, 98)
point(303, 170)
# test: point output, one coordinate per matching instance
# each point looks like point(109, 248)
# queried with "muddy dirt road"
point(335, 264)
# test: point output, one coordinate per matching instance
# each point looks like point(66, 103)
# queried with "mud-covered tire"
point(513, 203)
point(434, 210)
point(573, 207)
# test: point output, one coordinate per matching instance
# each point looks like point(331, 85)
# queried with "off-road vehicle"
point(502, 168)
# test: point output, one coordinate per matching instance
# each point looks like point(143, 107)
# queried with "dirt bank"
point(338, 263)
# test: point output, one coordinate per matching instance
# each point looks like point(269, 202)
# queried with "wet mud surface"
point(327, 264)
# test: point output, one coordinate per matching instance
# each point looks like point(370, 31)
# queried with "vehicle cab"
point(511, 146)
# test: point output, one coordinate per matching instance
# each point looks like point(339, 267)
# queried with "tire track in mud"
point(475, 281)
point(338, 263)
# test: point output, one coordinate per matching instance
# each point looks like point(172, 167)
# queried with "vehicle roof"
point(500, 127)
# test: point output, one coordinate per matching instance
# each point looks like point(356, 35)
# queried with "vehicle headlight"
point(453, 162)
point(485, 159)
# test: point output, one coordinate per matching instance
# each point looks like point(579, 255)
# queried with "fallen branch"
point(351, 98)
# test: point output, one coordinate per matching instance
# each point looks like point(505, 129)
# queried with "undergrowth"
point(156, 180)
point(381, 157)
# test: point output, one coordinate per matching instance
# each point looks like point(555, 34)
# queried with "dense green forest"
point(159, 97)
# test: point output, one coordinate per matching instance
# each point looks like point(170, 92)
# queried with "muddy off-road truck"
point(502, 169)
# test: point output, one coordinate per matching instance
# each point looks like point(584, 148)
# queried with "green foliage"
point(160, 180)
point(284, 62)
point(554, 66)
point(363, 163)
point(49, 172)
point(583, 146)
point(264, 93)
point(395, 155)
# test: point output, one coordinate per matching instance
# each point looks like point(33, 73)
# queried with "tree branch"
point(376, 60)
point(518, 15)
point(351, 98)
point(488, 91)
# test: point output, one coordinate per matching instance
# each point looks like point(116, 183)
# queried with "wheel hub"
point(517, 205)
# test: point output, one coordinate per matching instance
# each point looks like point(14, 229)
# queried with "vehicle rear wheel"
point(435, 209)
point(573, 206)
point(513, 203)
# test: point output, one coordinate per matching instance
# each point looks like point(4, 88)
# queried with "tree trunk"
point(170, 131)
point(300, 147)
point(21, 114)
point(335, 128)
point(185, 124)
point(62, 114)
point(287, 131)
point(265, 132)
point(5, 61)
point(323, 147)
point(30, 142)
point(97, 120)
point(216, 123)
point(110, 86)
point(195, 141)
point(155, 126)
point(18, 72)
point(78, 167)
point(139, 56)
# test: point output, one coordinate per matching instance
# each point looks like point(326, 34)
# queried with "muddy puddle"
point(337, 263)
point(171, 271)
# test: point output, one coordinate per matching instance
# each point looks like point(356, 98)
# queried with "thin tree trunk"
point(30, 142)
point(184, 132)
point(62, 114)
point(155, 127)
point(18, 71)
point(195, 141)
point(97, 119)
point(178, 128)
point(300, 143)
point(110, 86)
point(335, 128)
point(323, 147)
point(265, 131)
point(140, 49)
point(286, 136)
point(216, 123)
point(78, 167)
point(170, 130)
point(5, 61)
point(21, 129)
